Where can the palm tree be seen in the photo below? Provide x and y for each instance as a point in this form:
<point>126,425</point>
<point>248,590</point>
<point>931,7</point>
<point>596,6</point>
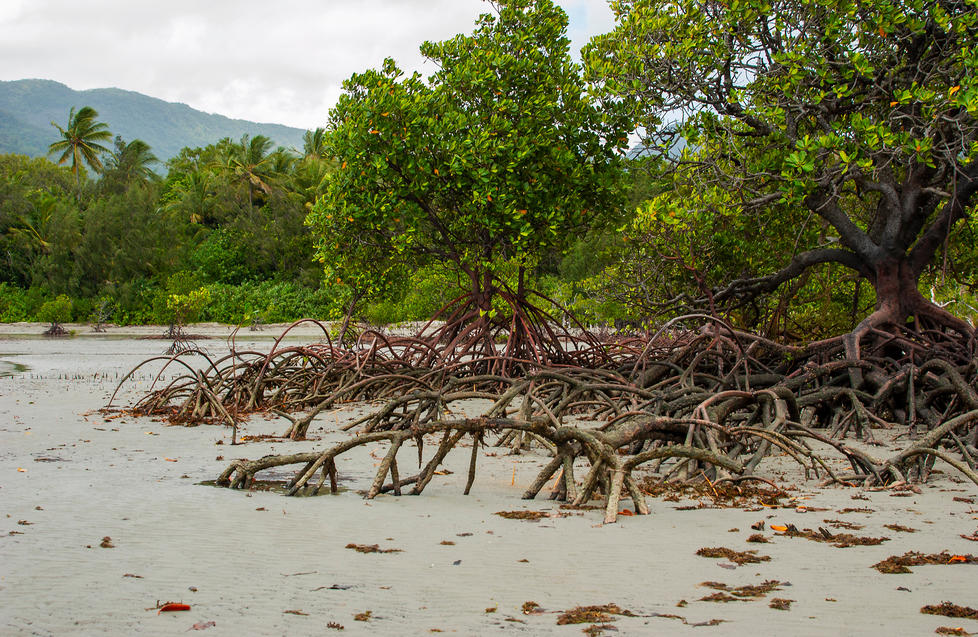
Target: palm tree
<point>132,161</point>
<point>80,140</point>
<point>314,143</point>
<point>252,164</point>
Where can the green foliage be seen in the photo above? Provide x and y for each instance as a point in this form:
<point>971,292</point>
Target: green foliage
<point>499,155</point>
<point>817,132</point>
<point>57,310</point>
<point>184,308</point>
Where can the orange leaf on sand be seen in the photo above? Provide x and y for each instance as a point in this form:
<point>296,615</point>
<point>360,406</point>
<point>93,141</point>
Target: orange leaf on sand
<point>170,459</point>
<point>166,608</point>
<point>778,527</point>
<point>22,469</point>
<point>957,558</point>
<point>626,512</point>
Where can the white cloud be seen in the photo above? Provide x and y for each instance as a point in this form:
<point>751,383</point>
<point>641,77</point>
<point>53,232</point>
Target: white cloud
<point>251,59</point>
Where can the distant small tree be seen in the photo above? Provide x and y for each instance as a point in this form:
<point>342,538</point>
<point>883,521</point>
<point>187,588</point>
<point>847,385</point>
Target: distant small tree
<point>56,311</point>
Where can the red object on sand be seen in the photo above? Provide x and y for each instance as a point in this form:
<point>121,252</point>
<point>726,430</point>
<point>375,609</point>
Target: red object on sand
<point>171,607</point>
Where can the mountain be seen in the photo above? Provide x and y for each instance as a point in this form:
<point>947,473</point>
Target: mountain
<point>27,108</point>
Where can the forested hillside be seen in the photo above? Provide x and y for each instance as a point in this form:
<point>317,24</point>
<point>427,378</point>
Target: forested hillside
<point>27,108</point>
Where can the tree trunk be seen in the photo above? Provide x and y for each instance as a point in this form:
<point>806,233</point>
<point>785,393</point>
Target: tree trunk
<point>898,299</point>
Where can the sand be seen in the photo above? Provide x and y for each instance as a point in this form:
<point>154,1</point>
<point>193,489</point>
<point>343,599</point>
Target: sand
<point>259,563</point>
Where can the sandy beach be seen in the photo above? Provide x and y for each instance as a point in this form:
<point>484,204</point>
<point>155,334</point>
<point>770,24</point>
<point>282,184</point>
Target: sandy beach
<point>259,563</point>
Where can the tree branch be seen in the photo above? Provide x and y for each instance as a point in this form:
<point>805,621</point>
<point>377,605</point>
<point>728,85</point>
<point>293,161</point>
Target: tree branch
<point>751,288</point>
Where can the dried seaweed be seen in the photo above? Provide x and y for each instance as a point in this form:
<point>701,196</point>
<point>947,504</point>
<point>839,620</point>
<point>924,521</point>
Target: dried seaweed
<point>370,548</point>
<point>842,524</point>
<point>737,557</point>
<point>900,528</point>
<point>523,515</point>
<point>900,563</point>
<point>740,593</point>
<point>947,609</point>
<point>592,614</point>
<point>838,540</point>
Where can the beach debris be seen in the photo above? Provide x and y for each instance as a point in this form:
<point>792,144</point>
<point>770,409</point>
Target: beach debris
<point>592,614</point>
<point>947,609</point>
<point>525,515</point>
<point>532,608</point>
<point>294,612</point>
<point>170,607</point>
<point>447,543</point>
<point>107,543</point>
<point>737,557</point>
<point>838,540</point>
<point>370,548</point>
<point>947,630</point>
<point>364,616</point>
<point>203,625</point>
<point>842,524</point>
<point>335,626</point>
<point>740,593</point>
<point>900,563</point>
<point>758,539</point>
<point>779,603</point>
<point>594,630</point>
<point>492,609</point>
<point>133,575</point>
<point>900,528</point>
<point>973,537</point>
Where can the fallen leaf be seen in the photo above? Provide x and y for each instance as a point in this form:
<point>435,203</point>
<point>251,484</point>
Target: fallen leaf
<point>779,527</point>
<point>171,606</point>
<point>203,625</point>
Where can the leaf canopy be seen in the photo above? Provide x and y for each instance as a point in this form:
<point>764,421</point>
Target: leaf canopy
<point>500,155</point>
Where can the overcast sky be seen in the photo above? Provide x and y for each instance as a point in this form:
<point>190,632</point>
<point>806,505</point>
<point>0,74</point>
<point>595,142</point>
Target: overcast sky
<point>280,62</point>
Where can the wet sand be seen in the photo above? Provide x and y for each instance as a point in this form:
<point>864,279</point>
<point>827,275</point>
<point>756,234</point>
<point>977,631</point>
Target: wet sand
<point>71,476</point>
